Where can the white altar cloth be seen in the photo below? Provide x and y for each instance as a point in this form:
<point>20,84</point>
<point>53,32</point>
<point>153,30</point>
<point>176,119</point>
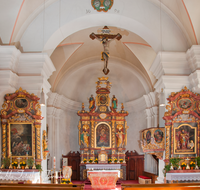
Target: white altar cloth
<point>104,171</point>
<point>103,166</point>
<point>20,175</point>
<point>183,176</point>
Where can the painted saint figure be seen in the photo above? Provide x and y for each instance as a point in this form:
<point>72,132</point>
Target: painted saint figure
<point>85,138</point>
<point>91,103</point>
<point>105,54</point>
<point>184,137</point>
<point>114,102</point>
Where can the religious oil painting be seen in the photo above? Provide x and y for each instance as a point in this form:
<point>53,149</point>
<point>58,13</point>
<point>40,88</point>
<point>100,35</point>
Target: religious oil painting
<point>21,139</point>
<point>158,136</point>
<point>185,139</point>
<point>103,136</point>
<point>148,137</point>
<point>185,103</point>
<point>21,103</point>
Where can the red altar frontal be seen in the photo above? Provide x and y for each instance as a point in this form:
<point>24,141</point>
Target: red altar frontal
<point>102,130</point>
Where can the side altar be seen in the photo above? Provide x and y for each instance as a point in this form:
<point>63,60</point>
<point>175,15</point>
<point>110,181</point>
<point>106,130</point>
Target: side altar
<point>102,131</point>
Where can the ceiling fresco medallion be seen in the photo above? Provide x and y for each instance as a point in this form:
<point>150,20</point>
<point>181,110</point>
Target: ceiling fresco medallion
<point>102,5</point>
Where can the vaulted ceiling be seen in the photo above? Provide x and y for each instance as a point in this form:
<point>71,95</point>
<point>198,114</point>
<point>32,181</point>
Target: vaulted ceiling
<point>61,28</point>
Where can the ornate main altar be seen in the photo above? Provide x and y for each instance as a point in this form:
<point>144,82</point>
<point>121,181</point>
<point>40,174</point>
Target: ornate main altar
<point>102,130</point>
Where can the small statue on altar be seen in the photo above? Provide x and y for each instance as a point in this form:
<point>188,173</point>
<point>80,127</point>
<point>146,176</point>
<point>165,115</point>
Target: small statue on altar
<point>120,137</point>
<point>85,138</point>
<point>91,103</point>
<point>114,102</point>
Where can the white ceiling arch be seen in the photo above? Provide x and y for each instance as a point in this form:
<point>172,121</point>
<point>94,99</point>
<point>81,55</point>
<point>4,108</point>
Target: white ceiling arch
<point>101,20</point>
<point>128,82</point>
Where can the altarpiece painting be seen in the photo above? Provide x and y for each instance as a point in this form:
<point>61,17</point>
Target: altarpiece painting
<point>185,139</point>
<point>21,139</point>
<point>103,136</point>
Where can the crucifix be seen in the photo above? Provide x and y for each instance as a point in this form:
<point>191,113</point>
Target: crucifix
<point>105,38</point>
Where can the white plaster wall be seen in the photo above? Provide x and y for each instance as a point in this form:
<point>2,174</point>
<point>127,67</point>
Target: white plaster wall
<point>136,122</point>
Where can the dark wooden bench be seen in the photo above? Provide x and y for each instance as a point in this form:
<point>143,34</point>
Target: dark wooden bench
<point>41,186</point>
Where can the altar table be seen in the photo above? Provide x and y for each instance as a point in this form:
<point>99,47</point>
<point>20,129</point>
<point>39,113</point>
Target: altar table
<point>121,167</point>
<point>195,176</point>
<point>104,179</point>
<point>11,175</point>
<point>104,172</point>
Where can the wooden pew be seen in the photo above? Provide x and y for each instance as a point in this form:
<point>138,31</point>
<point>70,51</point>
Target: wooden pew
<point>7,186</point>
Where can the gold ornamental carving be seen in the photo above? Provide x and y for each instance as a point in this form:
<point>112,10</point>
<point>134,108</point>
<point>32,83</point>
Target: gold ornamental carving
<point>4,139</point>
<point>44,145</point>
<point>113,133</point>
<point>167,151</point>
<point>119,122</point>
<point>38,143</point>
<point>92,134</point>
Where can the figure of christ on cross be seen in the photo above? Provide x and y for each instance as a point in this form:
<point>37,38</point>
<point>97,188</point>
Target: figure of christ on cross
<point>105,39</point>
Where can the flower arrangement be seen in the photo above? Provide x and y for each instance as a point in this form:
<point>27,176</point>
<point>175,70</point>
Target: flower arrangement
<point>6,162</point>
<point>96,160</point>
<point>66,181</point>
<point>121,160</point>
<point>175,162</point>
<point>14,164</point>
<point>90,160</point>
<point>22,164</point>
<point>84,160</point>
<point>109,160</point>
<point>166,169</point>
<point>183,164</point>
<point>30,162</point>
<point>192,164</point>
<point>115,160</point>
<point>198,161</point>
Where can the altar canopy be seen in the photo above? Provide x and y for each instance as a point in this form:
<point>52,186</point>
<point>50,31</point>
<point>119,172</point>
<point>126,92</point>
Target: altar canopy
<point>102,129</point>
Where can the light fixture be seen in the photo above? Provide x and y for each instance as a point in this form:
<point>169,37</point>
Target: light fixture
<point>42,98</point>
<point>162,98</point>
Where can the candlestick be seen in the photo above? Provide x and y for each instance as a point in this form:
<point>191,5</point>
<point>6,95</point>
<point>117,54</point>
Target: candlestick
<point>10,167</point>
<point>18,166</point>
<point>124,158</point>
<point>118,158</point>
<point>54,162</point>
<point>87,157</point>
<point>82,157</point>
<point>26,161</point>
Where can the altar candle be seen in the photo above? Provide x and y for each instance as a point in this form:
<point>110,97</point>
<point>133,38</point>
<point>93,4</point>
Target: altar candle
<point>54,162</point>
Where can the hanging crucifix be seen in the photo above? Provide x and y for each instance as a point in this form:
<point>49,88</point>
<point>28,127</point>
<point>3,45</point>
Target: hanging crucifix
<point>105,38</point>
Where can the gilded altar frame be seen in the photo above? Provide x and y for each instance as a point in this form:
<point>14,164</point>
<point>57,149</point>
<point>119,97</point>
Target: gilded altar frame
<point>32,139</point>
<point>22,108</point>
<point>182,110</point>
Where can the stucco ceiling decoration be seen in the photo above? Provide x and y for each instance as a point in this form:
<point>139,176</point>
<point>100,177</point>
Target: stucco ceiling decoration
<point>102,5</point>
